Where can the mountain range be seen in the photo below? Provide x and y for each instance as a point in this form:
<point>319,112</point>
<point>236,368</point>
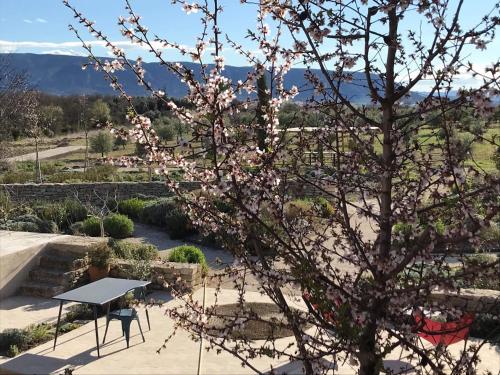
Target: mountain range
<point>63,75</point>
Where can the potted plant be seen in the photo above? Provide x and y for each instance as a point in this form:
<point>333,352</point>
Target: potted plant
<point>100,258</point>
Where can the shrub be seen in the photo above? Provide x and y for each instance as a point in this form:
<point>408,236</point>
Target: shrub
<point>178,224</point>
<point>132,207</point>
<point>297,208</point>
<point>440,227</point>
<point>31,223</point>
<point>118,226</point>
<point>167,212</point>
<point>188,254</point>
<point>14,336</point>
<point>66,327</point>
<point>63,214</point>
<point>40,333</point>
<point>100,255</point>
<point>105,172</point>
<point>74,211</point>
<point>223,206</point>
<point>133,251</point>
<point>402,228</point>
<point>48,226</point>
<point>20,226</point>
<point>13,177</point>
<point>154,212</point>
<point>51,211</point>
<point>92,226</point>
<point>486,327</point>
<point>79,312</point>
<point>77,228</point>
<point>491,234</point>
<point>13,351</point>
<point>326,209</point>
<point>29,218</point>
<point>141,270</point>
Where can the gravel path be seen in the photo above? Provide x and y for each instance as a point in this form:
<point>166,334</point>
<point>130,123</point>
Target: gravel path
<point>46,154</point>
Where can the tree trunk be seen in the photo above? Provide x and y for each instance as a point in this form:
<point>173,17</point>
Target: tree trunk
<point>86,162</point>
<point>368,360</point>
<point>38,169</point>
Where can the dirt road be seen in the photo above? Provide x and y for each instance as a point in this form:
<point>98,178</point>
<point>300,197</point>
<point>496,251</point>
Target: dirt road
<point>46,154</point>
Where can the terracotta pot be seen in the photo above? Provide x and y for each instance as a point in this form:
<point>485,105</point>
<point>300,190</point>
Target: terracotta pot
<point>96,273</point>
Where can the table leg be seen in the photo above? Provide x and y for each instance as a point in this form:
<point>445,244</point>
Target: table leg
<point>96,330</point>
<point>146,306</point>
<point>58,322</point>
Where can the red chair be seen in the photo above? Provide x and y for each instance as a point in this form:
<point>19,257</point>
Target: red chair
<point>443,333</point>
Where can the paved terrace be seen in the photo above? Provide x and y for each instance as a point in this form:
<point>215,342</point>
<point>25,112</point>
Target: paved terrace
<point>76,349</point>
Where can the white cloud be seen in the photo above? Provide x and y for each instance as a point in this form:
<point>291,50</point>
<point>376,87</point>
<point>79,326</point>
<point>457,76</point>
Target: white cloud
<point>70,52</point>
<point>6,45</point>
<point>39,20</point>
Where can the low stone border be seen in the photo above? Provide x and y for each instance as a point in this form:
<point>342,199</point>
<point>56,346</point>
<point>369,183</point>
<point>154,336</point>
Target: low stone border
<point>164,275</point>
<point>471,300</point>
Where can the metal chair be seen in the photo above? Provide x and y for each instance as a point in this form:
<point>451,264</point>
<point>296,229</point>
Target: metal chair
<point>126,316</point>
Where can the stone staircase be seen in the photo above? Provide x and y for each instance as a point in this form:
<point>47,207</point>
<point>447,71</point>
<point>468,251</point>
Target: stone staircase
<point>59,270</point>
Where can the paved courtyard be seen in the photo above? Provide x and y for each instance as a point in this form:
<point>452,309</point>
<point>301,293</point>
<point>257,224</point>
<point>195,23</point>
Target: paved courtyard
<point>22,311</point>
<point>76,350</point>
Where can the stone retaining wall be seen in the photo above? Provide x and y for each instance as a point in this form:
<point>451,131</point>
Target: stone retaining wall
<point>99,192</point>
<point>89,192</point>
<point>164,275</point>
<point>471,300</point>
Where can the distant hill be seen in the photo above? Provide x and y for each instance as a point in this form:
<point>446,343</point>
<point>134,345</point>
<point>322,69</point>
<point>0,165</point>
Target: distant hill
<point>63,75</point>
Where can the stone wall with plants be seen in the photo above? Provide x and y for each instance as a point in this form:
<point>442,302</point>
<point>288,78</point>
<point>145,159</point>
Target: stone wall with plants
<point>95,192</point>
<point>89,192</point>
<point>163,275</point>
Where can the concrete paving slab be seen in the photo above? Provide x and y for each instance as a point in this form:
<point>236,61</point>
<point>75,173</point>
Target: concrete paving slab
<point>76,349</point>
<point>22,311</point>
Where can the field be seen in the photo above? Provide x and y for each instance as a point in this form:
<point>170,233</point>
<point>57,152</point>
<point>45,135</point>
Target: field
<point>69,167</point>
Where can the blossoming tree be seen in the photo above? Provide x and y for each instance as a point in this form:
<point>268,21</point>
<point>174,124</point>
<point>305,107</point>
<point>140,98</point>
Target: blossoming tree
<point>404,199</point>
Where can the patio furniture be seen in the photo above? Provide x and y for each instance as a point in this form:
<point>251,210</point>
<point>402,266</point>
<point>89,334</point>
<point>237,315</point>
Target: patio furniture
<point>125,316</point>
<point>100,293</point>
<point>443,333</point>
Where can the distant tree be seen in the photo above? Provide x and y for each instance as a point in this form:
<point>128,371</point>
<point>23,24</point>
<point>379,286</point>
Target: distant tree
<point>14,98</point>
<point>100,113</point>
<point>102,143</point>
<point>33,127</point>
<point>165,128</point>
<point>51,116</point>
<point>120,141</point>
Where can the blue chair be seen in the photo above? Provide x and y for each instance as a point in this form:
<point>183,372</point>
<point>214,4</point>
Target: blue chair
<point>126,316</point>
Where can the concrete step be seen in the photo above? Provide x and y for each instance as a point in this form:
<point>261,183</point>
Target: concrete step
<point>58,249</point>
<point>68,279</point>
<point>60,262</point>
<point>37,289</point>
<point>75,246</point>
<point>48,275</point>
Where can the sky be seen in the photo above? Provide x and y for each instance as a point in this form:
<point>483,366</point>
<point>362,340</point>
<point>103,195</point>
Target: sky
<point>41,26</point>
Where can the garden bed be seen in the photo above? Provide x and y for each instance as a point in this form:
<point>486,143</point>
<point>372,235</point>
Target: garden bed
<point>269,321</point>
